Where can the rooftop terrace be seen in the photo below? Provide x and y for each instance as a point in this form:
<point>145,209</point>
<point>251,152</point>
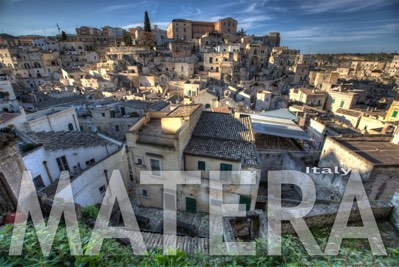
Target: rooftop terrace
<point>376,152</point>
<point>183,111</point>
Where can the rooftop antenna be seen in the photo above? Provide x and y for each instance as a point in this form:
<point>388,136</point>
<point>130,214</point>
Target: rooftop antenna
<point>59,29</point>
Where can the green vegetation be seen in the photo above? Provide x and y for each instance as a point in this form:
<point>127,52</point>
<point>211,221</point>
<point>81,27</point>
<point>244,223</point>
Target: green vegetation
<point>353,253</point>
<point>90,212</point>
<point>241,32</point>
<point>63,36</point>
<point>147,24</point>
<point>9,129</point>
<point>340,58</point>
<point>28,147</point>
<point>127,39</point>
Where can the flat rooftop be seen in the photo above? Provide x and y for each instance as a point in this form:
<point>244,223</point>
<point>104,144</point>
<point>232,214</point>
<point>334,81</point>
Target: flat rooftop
<point>154,126</point>
<point>4,117</point>
<point>151,134</point>
<point>53,141</point>
<point>275,143</point>
<point>43,113</point>
<point>183,111</point>
<point>376,152</point>
<point>277,127</point>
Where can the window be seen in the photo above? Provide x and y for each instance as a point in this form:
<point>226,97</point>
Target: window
<point>103,114</point>
<point>394,114</point>
<point>139,161</point>
<point>201,165</point>
<point>144,192</point>
<point>70,127</point>
<point>155,167</point>
<point>225,171</point>
<point>102,189</point>
<point>90,162</point>
<point>62,163</point>
<point>342,104</point>
<point>207,106</point>
<point>38,182</point>
<point>333,101</point>
<point>117,128</point>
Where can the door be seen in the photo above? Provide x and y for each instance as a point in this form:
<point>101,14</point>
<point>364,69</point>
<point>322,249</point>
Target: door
<point>191,204</point>
<point>245,200</point>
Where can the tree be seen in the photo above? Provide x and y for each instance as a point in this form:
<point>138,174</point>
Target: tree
<point>147,38</point>
<point>147,24</point>
<point>241,32</point>
<point>63,36</point>
<point>127,39</point>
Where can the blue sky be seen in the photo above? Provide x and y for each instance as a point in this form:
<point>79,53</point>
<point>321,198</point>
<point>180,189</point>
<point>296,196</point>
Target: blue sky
<point>319,26</point>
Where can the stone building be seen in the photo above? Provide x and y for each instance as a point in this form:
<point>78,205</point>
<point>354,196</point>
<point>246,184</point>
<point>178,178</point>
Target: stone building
<point>91,35</point>
<point>317,78</point>
<point>156,143</point>
<point>89,159</point>
<point>8,100</point>
<point>109,120</point>
<point>310,97</point>
<point>346,99</point>
<point>180,48</point>
<point>282,57</point>
<point>375,158</point>
<point>189,29</point>
<point>221,142</point>
<point>393,67</point>
<point>393,111</point>
<point>57,119</point>
<point>188,139</point>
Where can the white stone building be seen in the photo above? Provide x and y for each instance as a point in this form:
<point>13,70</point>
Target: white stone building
<point>89,158</point>
<point>55,119</point>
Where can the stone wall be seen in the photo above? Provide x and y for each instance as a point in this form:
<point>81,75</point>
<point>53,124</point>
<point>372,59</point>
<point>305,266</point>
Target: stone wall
<point>11,166</point>
<point>323,215</point>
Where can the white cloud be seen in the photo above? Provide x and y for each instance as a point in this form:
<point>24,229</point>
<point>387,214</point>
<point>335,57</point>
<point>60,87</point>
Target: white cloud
<point>252,21</point>
<point>190,11</point>
<point>321,6</point>
<point>319,34</point>
<point>161,24</point>
<point>131,5</point>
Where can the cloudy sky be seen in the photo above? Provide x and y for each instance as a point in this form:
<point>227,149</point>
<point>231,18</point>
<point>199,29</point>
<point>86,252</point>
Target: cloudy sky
<point>317,26</point>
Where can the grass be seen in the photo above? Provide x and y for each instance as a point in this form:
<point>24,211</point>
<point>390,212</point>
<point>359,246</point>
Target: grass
<point>352,253</point>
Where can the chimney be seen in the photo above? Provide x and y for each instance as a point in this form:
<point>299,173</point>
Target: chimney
<point>237,115</point>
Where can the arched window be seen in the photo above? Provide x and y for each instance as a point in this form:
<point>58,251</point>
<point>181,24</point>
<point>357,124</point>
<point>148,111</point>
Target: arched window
<point>70,127</point>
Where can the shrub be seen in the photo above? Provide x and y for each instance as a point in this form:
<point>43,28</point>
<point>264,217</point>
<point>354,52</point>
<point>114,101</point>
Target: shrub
<point>90,212</point>
<point>28,147</point>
